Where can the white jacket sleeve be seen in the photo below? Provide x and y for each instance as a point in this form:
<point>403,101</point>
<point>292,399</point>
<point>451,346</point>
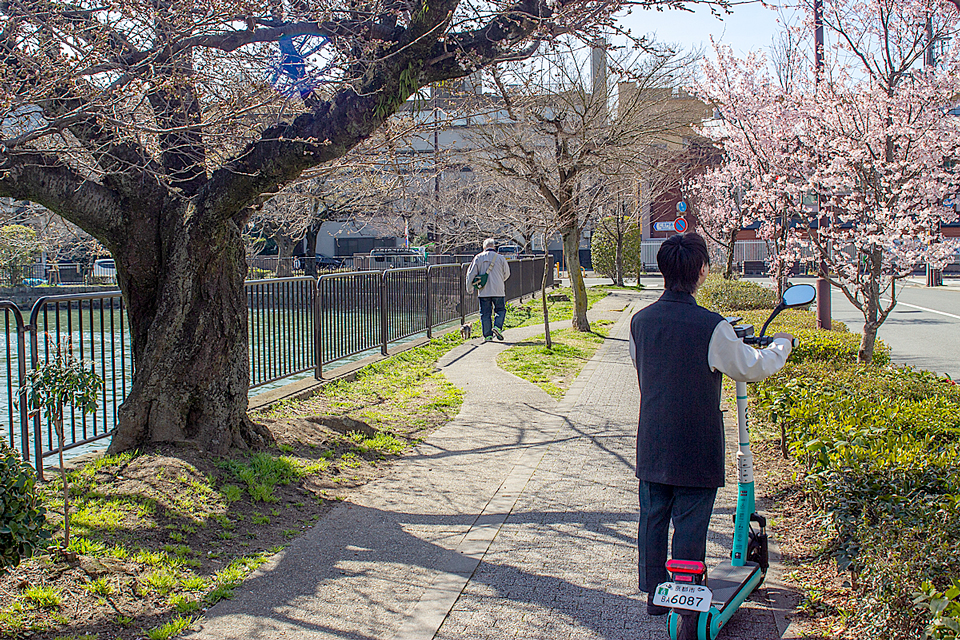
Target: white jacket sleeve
<point>729,355</point>
<point>472,271</point>
<point>505,268</point>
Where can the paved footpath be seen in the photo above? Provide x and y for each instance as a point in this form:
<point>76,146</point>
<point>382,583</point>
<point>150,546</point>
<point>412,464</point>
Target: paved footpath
<point>515,520</point>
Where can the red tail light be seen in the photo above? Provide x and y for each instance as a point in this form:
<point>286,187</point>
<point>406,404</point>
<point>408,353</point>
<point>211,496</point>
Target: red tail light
<point>691,567</point>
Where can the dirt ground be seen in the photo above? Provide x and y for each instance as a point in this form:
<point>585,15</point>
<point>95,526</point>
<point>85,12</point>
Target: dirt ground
<point>161,536</point>
<point>797,527</point>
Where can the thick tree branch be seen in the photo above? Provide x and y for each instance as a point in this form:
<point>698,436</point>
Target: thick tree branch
<point>46,181</point>
<point>351,116</point>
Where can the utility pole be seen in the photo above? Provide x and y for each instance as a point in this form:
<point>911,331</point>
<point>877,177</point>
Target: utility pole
<point>823,283</point>
<point>934,276</point>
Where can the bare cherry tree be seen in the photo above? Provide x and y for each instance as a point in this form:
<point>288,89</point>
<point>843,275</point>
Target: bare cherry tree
<point>554,127</point>
<point>157,126</point>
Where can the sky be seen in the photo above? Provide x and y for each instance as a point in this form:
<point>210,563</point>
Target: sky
<point>749,27</point>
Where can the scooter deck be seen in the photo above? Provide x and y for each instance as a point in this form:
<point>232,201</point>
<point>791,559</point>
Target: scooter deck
<point>725,581</point>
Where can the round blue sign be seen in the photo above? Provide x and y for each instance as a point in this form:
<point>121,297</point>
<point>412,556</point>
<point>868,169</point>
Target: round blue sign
<point>680,224</point>
<point>681,206</point>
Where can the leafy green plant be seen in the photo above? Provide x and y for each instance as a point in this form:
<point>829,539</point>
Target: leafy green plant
<point>878,449</point>
<point>18,246</point>
<point>603,246</point>
<point>99,587</point>
<point>170,629</point>
<point>42,597</point>
<point>184,604</point>
<point>162,581</point>
<point>61,382</point>
<point>22,516</point>
<point>943,607</point>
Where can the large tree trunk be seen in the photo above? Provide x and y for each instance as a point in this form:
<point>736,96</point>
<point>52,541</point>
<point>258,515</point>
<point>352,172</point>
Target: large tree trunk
<point>571,255</point>
<point>189,332</point>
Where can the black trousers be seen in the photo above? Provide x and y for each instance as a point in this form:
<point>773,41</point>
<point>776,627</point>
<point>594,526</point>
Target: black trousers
<point>689,508</point>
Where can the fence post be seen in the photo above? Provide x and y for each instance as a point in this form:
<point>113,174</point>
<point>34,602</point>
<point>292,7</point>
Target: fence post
<point>429,305</point>
<point>463,297</point>
<point>383,313</point>
<point>22,369</point>
<point>34,361</point>
<point>318,329</point>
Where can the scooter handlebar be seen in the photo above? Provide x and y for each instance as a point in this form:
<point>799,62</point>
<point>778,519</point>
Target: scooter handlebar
<point>764,341</point>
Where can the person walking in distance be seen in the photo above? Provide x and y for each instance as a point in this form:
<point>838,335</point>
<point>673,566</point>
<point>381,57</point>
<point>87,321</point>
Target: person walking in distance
<point>487,275</point>
<point>680,350</point>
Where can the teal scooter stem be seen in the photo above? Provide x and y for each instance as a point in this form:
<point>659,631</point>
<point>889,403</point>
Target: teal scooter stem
<point>733,580</point>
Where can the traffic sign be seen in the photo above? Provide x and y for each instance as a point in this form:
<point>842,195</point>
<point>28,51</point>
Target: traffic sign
<point>682,206</point>
<point>680,224</point>
<point>664,226</point>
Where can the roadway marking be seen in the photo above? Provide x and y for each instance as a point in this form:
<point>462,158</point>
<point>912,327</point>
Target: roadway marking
<point>942,313</point>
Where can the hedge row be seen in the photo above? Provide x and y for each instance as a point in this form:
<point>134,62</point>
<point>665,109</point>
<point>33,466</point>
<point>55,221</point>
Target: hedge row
<point>879,450</point>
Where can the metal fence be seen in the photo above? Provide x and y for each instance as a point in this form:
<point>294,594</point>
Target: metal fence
<point>753,252</point>
<point>55,273</point>
<point>367,310</point>
<point>295,325</point>
<point>93,328</point>
<point>280,328</point>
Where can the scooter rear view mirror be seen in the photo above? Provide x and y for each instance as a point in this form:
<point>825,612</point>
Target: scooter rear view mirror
<point>795,296</point>
<point>799,295</point>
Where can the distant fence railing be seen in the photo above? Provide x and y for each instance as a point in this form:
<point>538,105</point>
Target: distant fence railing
<point>753,253</point>
<point>52,273</point>
<point>295,325</point>
<point>365,310</point>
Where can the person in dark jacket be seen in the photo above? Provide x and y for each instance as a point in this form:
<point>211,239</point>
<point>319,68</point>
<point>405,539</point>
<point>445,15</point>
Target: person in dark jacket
<point>680,350</point>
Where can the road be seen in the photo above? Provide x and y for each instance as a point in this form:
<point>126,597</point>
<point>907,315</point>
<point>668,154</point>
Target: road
<point>923,330</point>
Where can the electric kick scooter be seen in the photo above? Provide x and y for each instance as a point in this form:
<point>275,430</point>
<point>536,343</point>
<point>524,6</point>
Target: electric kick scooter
<point>702,605</point>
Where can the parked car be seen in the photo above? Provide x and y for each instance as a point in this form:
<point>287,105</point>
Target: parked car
<point>510,250</point>
<point>326,263</point>
<point>388,258</point>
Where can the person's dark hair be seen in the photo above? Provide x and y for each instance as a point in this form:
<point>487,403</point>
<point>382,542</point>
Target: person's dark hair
<point>680,259</point>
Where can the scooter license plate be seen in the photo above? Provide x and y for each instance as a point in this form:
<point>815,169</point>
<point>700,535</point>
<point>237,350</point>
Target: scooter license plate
<point>683,596</point>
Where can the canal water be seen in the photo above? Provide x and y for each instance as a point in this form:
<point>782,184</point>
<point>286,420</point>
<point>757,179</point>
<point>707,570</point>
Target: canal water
<point>102,338</point>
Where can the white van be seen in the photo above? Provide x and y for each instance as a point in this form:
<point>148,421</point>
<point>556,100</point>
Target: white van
<point>106,269</point>
<point>381,259</point>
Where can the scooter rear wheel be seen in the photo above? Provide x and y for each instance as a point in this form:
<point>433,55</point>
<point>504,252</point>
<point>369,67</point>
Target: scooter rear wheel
<point>687,627</point>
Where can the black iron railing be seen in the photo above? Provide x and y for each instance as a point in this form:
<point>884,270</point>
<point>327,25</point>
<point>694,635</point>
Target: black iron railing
<point>295,325</point>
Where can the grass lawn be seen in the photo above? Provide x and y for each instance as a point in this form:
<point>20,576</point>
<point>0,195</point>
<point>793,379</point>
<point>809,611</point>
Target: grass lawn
<point>554,370</point>
<point>531,311</point>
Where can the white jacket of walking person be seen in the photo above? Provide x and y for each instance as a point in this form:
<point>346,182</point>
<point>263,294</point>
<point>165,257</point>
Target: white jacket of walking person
<point>495,266</point>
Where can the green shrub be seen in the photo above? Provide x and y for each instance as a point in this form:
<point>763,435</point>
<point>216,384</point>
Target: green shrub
<point>791,320</point>
<point>603,248</point>
<point>22,517</point>
<point>833,346</point>
<point>725,296</point>
<point>880,449</point>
